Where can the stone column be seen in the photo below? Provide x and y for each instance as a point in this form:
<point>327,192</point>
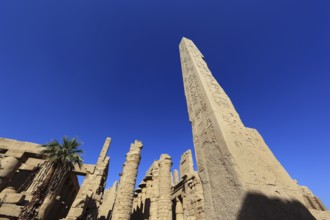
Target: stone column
<point>176,177</point>
<point>178,210</point>
<point>109,197</point>
<point>139,199</point>
<point>155,191</point>
<point>124,201</point>
<point>148,203</point>
<point>164,210</point>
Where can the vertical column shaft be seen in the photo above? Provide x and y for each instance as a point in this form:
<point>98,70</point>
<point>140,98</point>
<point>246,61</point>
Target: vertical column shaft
<point>164,210</point>
<point>124,201</point>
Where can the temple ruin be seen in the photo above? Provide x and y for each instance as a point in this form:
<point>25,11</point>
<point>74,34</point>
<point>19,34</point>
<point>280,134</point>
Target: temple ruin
<point>237,177</point>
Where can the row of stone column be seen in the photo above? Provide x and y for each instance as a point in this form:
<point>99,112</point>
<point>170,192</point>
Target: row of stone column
<point>153,197</point>
<point>160,197</point>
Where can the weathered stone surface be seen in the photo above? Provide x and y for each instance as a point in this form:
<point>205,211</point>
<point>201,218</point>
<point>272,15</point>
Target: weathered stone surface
<point>31,163</point>
<point>84,169</point>
<point>19,147</point>
<point>151,200</point>
<point>311,201</point>
<point>7,218</point>
<point>176,177</point>
<point>108,201</point>
<point>124,200</point>
<point>92,188</point>
<point>11,198</point>
<point>154,192</point>
<point>320,215</point>
<point>10,210</point>
<point>164,207</point>
<point>179,215</point>
<point>75,213</point>
<point>232,160</point>
<point>188,193</point>
<point>186,164</point>
<point>23,167</point>
<point>8,166</point>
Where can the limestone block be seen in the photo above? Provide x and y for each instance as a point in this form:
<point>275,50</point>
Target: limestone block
<point>19,146</point>
<point>76,212</point>
<point>84,169</point>
<point>31,163</point>
<point>12,198</point>
<point>320,215</point>
<point>8,190</point>
<point>11,210</point>
<point>14,153</point>
<point>34,161</point>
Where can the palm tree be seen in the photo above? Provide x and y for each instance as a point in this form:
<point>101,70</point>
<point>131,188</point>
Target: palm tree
<point>60,160</point>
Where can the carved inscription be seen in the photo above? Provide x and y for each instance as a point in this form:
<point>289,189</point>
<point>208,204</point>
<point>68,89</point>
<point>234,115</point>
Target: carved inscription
<point>197,107</point>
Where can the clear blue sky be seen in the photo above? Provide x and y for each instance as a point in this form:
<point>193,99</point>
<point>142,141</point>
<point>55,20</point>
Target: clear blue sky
<point>92,69</point>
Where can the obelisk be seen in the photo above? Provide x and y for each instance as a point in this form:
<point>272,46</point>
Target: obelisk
<point>234,163</point>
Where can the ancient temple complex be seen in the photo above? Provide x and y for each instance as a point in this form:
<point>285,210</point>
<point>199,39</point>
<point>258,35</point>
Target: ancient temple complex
<point>238,177</point>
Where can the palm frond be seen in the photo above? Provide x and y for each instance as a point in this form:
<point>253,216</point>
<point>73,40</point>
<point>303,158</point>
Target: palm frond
<point>65,153</point>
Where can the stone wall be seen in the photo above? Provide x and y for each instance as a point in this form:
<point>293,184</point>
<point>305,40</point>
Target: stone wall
<point>21,165</point>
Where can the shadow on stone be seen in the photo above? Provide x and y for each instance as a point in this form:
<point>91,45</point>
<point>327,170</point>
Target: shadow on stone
<point>257,206</point>
<point>142,212</point>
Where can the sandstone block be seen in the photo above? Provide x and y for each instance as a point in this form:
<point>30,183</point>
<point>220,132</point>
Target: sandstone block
<point>11,210</point>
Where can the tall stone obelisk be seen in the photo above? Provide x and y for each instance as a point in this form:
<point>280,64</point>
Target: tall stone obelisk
<point>238,171</point>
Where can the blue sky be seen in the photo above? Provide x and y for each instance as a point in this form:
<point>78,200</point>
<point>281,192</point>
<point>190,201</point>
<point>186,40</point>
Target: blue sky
<point>92,69</point>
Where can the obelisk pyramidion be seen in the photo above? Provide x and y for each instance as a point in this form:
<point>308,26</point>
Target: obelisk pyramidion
<point>238,171</point>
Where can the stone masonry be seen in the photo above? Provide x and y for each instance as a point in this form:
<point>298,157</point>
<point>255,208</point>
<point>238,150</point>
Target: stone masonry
<point>157,199</point>
<point>124,200</point>
<point>191,198</point>
<point>22,164</point>
<point>89,197</point>
<point>108,202</point>
<point>164,208</point>
<point>241,178</point>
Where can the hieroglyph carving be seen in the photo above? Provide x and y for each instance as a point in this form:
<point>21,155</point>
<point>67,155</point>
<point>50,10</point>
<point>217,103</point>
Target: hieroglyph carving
<point>231,158</point>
